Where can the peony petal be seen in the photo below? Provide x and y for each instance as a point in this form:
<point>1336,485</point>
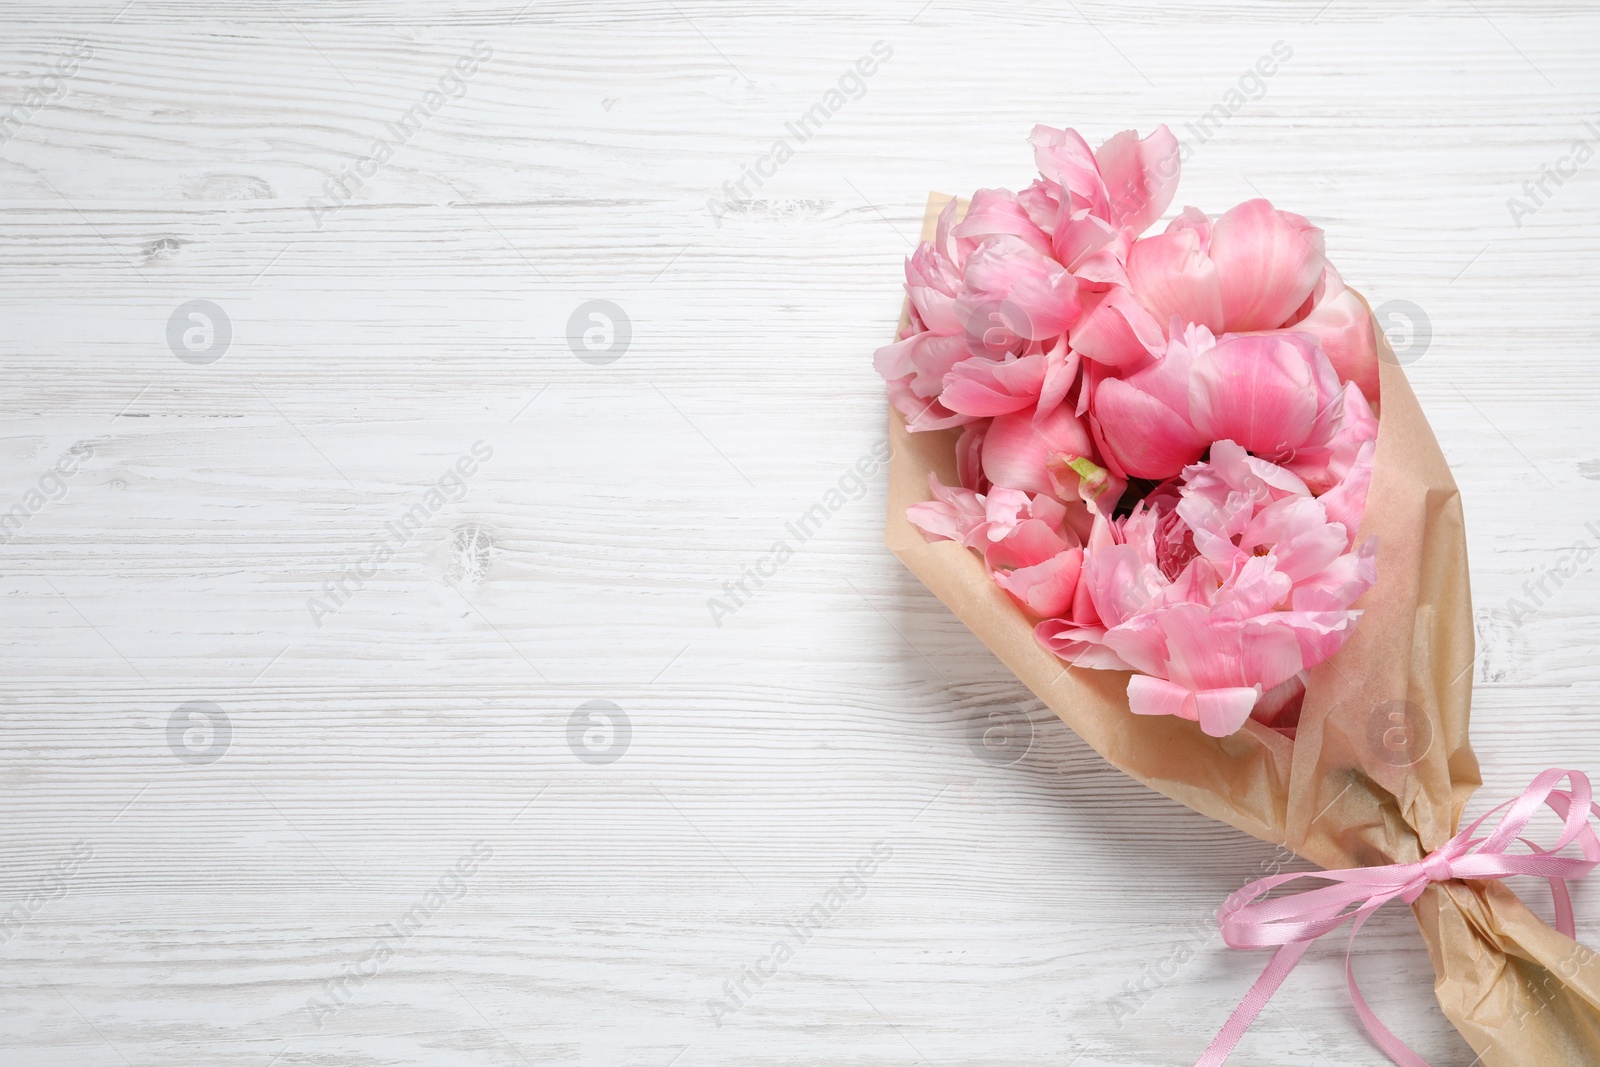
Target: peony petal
<point>1319,634</point>
<point>1083,609</point>
<point>1258,391</point>
<point>1207,653</point>
<point>1081,646</point>
<point>1041,202</point>
<point>1049,303</point>
<point>1116,331</point>
<point>1140,643</point>
<point>1140,176</point>
<point>1061,371</point>
<point>1005,508</point>
<point>1064,157</point>
<point>955,514</point>
<point>982,386</point>
<point>926,356</point>
<point>1028,544</point>
<point>1300,540</point>
<point>1167,378</point>
<point>936,311</point>
<point>1343,326</point>
<point>969,456</point>
<point>1080,238</point>
<point>1046,589</point>
<point>1082,478</point>
<point>1192,218</point>
<point>1223,711</point>
<point>996,211</point>
<point>1257,588</point>
<point>1230,468</point>
<point>922,414</point>
<point>1346,502</point>
<point>1266,265</point>
<point>895,360</point>
<point>1016,451</point>
<point>1336,439</point>
<point>1341,584</point>
<point>944,240</point>
<point>1147,438</point>
<point>1033,295</point>
<point>1105,269</point>
<point>1271,652</point>
<point>1172,277</point>
<point>1123,582</point>
<point>1157,696</point>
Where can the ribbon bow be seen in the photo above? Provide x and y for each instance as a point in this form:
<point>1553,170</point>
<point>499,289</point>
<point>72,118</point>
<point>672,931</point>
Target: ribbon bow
<point>1293,922</point>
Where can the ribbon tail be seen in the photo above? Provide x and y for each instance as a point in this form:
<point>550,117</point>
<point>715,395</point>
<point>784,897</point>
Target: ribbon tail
<point>1222,1045</point>
<point>1392,1046</point>
<point>1563,902</point>
<point>1558,892</point>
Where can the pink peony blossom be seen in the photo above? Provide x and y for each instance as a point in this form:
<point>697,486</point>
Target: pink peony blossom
<point>1275,393</point>
<point>1241,587</point>
<point>1118,190</point>
<point>1250,269</point>
<point>1028,543</point>
<point>1255,269</point>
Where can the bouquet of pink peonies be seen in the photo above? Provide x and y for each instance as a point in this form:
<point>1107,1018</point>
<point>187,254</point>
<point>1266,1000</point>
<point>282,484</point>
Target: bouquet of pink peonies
<point>1179,486</point>
<point>1166,442</point>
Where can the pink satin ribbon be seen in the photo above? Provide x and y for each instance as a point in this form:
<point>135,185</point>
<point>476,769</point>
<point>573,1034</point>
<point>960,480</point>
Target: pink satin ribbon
<point>1293,922</point>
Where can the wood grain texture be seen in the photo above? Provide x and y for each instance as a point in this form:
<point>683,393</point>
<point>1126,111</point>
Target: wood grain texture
<point>197,909</point>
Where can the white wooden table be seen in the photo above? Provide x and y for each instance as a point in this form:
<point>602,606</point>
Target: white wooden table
<point>251,819</point>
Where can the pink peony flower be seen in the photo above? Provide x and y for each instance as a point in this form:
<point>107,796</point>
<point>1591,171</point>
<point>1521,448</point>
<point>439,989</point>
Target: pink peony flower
<point>1039,294</point>
<point>1275,393</point>
<point>988,320</point>
<point>1121,189</point>
<point>1255,269</point>
<point>1251,269</point>
<point>1236,591</point>
<point>1021,275</point>
<point>934,340</point>
<point>1028,543</point>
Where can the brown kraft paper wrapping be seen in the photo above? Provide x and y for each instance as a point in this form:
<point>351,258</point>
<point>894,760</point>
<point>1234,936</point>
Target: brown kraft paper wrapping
<point>1380,767</point>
